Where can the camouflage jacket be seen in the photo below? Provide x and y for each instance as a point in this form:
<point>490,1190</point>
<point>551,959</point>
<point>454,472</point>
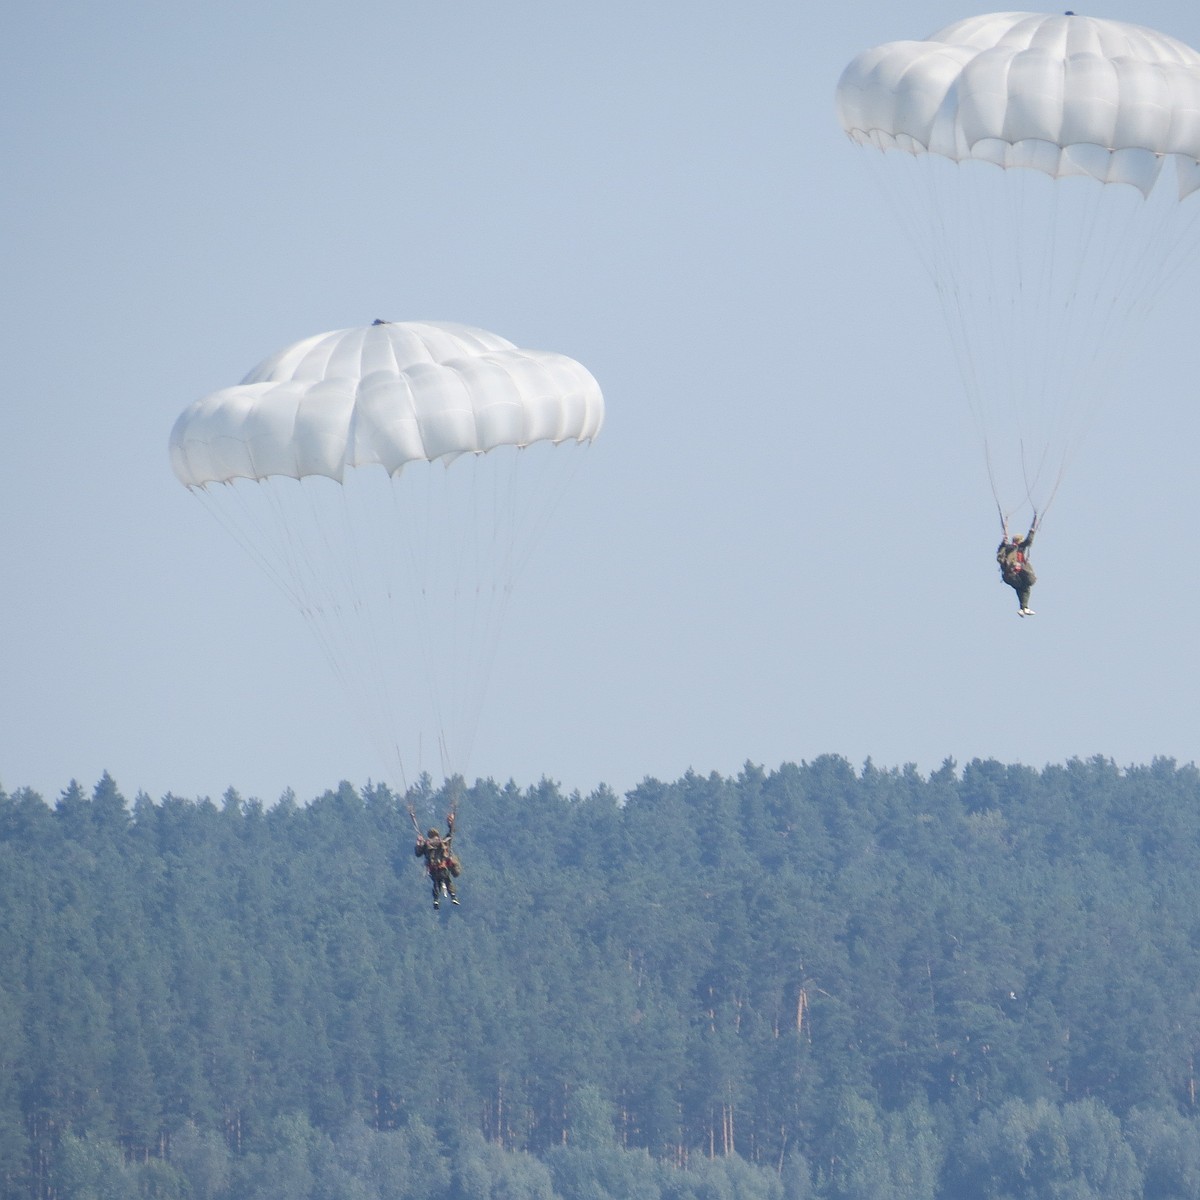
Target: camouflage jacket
<point>1013,558</point>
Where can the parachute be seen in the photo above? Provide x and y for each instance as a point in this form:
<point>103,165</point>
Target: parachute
<point>1044,167</point>
<point>392,480</point>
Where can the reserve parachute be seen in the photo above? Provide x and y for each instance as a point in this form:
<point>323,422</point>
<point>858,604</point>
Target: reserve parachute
<point>1045,168</point>
<point>392,481</point>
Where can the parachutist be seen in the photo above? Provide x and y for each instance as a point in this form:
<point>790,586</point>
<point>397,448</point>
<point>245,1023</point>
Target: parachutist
<point>1015,568</point>
<point>440,864</point>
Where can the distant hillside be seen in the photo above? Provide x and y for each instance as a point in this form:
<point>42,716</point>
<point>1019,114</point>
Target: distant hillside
<point>812,982</point>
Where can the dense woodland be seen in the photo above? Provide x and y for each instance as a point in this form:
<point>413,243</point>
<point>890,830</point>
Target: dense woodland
<point>817,982</point>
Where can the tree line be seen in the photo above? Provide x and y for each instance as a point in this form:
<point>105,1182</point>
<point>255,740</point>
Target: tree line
<point>815,982</point>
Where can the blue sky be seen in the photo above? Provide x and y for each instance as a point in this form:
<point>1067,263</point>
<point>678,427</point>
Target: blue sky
<point>780,546</point>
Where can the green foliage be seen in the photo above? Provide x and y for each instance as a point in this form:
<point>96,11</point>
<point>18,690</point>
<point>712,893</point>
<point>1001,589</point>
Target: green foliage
<point>1167,1145</point>
<point>808,984</point>
<point>1038,1150</point>
<point>87,1169</point>
<point>603,1173</point>
<point>203,1159</point>
<point>589,1118</point>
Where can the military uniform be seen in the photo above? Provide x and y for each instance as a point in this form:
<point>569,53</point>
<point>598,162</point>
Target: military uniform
<point>440,864</point>
<point>1015,568</point>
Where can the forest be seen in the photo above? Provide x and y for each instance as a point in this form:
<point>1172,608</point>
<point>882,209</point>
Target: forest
<point>819,982</point>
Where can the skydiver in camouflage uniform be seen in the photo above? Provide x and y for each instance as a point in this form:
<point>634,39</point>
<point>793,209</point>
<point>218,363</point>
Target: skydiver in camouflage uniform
<point>440,864</point>
<point>1015,568</point>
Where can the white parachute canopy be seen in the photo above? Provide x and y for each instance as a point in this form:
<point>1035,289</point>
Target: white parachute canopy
<point>1031,175</point>
<point>391,479</point>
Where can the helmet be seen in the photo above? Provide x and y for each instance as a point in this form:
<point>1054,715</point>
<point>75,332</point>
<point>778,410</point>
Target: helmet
<point>1018,539</point>
<point>433,833</point>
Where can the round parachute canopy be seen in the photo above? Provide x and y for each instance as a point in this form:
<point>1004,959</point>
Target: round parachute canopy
<point>386,395</point>
<point>392,481</point>
<point>1008,140</point>
<point>1067,95</point>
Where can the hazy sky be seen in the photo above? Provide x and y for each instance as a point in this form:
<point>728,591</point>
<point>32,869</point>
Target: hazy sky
<point>782,544</point>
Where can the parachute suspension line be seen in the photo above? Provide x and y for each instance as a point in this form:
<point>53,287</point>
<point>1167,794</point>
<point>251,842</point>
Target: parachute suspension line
<point>234,510</point>
<point>1041,506</point>
<point>941,264</point>
<point>485,594</point>
<point>350,627</point>
<point>987,454</point>
<point>1050,316</point>
<point>985,376</point>
<point>1096,333</point>
<point>1120,253</point>
<point>1027,263</point>
<point>1155,260</point>
<point>369,611</point>
<point>1061,335</point>
<point>1045,507</point>
<point>556,475</point>
<point>494,526</point>
<point>256,520</point>
<point>420,553</point>
<point>926,215</point>
<point>455,786</point>
<point>934,204</point>
<point>286,530</point>
<point>985,285</point>
<point>482,591</point>
<point>973,263</point>
<point>1005,514</point>
<point>455,527</point>
<point>1098,330</point>
<point>320,606</point>
<point>515,494</point>
<point>458,573</point>
<point>1039,511</point>
<point>1184,240</point>
<point>1049,392</point>
<point>473,590</point>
